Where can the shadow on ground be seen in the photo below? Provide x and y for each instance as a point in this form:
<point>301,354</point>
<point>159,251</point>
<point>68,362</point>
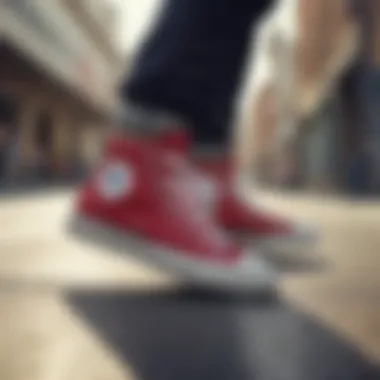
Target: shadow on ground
<point>190,335</point>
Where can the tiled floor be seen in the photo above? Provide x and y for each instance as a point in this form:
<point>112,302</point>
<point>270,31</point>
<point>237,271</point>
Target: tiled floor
<point>43,337</point>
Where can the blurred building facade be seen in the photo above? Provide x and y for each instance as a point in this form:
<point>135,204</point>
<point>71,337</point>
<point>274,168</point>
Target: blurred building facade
<point>346,123</point>
<point>337,71</point>
<point>60,63</point>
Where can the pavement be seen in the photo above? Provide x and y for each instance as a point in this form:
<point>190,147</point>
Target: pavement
<point>69,310</point>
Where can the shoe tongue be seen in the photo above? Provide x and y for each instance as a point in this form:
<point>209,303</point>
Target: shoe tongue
<point>216,163</point>
<point>175,141</point>
<point>221,166</point>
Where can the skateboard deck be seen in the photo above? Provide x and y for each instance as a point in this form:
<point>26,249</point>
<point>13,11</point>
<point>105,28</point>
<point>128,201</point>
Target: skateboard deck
<point>185,334</point>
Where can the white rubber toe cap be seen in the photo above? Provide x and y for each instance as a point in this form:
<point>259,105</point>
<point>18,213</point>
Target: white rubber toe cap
<point>252,270</point>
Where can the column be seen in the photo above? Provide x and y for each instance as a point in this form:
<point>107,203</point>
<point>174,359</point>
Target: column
<point>92,142</point>
<point>62,141</point>
<point>30,108</point>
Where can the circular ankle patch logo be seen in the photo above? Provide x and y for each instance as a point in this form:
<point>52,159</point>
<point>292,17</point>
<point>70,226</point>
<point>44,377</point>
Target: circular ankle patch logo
<point>116,180</point>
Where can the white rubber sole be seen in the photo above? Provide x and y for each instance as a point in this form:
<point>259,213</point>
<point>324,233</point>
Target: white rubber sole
<point>292,242</point>
<point>292,253</point>
<point>252,274</point>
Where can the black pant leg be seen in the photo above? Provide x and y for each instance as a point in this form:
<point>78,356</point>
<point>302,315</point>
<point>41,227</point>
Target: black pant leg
<point>191,62</point>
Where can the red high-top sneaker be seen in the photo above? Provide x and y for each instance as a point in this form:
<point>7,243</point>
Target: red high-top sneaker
<point>144,197</point>
<point>272,233</point>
